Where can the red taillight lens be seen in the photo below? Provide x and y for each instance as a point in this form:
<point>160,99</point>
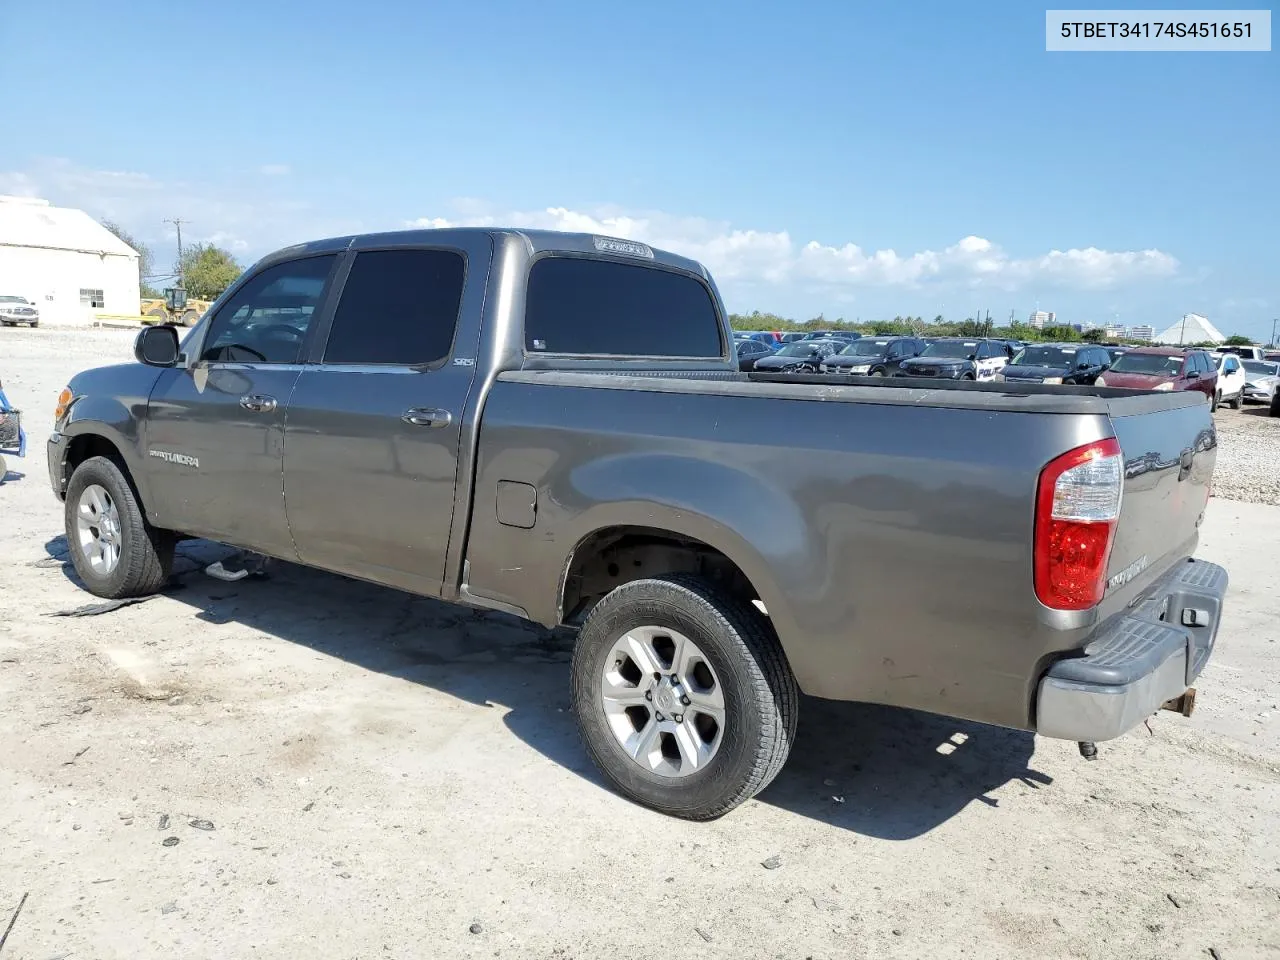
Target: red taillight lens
<point>1077,507</point>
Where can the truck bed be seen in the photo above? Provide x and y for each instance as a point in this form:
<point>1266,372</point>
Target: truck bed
<point>887,524</point>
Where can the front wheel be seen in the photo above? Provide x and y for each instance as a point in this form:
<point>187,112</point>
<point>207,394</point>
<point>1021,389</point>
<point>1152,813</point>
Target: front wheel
<point>683,696</point>
<point>1234,402</point>
<point>1213,404</point>
<point>877,373</point>
<point>114,550</point>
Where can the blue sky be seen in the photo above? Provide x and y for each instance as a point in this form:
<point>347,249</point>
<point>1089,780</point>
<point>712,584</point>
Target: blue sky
<point>861,160</point>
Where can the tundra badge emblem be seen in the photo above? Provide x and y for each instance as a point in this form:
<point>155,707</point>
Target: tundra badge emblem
<point>182,458</point>
<point>1128,573</point>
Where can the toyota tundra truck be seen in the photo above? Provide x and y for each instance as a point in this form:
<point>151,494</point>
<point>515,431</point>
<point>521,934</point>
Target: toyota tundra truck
<point>552,425</point>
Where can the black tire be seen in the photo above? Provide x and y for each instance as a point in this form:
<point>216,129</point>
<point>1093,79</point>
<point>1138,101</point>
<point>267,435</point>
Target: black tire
<point>969,376</point>
<point>760,693</point>
<point>34,324</point>
<point>877,373</point>
<point>1234,402</point>
<point>1213,406</point>
<point>1275,409</point>
<point>146,553</point>
<point>4,470</point>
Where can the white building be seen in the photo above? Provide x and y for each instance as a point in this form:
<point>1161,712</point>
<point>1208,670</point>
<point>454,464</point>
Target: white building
<point>65,262</point>
<point>1192,328</point>
<point>1141,332</point>
<point>1039,320</point>
<point>1114,331</point>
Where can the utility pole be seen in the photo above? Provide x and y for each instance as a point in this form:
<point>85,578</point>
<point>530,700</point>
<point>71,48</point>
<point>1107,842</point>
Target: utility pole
<point>177,223</point>
<point>1273,332</point>
<point>1182,331</point>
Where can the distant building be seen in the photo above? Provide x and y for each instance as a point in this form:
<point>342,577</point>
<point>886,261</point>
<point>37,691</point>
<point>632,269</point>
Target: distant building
<point>1114,331</point>
<point>1142,332</point>
<point>1192,328</point>
<point>65,262</point>
<point>1039,320</point>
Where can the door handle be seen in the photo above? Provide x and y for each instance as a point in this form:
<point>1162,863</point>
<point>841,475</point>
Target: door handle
<point>427,417</point>
<point>258,403</point>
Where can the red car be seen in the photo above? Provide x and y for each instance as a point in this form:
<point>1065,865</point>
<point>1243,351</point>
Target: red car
<point>1164,368</point>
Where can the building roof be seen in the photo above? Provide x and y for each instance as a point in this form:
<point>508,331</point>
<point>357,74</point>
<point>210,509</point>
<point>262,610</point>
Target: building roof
<point>28,222</point>
<point>1192,328</point>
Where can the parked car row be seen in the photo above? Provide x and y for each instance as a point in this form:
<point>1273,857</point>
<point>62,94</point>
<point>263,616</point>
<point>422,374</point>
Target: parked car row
<point>1224,377</point>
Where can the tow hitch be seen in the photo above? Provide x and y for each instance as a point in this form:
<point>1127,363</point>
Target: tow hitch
<point>1183,704</point>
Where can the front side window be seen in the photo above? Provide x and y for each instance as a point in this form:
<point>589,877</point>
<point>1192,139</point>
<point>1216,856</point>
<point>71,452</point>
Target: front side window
<point>588,307</point>
<point>397,307</point>
<point>267,319</point>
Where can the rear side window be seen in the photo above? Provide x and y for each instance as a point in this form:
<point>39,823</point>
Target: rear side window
<point>397,307</point>
<point>590,307</point>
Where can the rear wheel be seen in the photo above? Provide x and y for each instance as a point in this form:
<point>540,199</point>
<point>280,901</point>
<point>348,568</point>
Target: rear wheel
<point>115,551</point>
<point>877,373</point>
<point>968,376</point>
<point>1234,402</point>
<point>1217,399</point>
<point>683,696</point>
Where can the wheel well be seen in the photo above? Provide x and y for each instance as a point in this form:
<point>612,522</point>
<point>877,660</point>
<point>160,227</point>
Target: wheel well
<point>616,555</point>
<point>91,445</point>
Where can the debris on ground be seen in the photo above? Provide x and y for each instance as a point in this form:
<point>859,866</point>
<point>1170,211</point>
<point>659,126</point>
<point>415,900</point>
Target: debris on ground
<point>170,841</point>
<point>773,863</point>
<point>169,907</point>
<point>164,822</point>
<point>200,824</point>
<point>79,753</point>
<point>1174,900</point>
<point>95,609</point>
<point>702,933</point>
<point>13,920</point>
<point>476,928</point>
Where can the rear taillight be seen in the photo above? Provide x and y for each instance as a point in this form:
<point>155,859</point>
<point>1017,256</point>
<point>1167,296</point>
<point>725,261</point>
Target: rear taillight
<point>1077,508</point>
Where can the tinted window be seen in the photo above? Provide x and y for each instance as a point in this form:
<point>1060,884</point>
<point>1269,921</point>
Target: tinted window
<point>267,319</point>
<point>1152,364</point>
<point>397,306</point>
<point>598,307</point>
<point>1231,365</point>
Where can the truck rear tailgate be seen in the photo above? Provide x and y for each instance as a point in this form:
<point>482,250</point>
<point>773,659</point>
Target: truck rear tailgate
<point>1169,457</point>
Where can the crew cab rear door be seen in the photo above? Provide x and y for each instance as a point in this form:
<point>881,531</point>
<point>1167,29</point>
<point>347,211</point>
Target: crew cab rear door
<point>374,423</point>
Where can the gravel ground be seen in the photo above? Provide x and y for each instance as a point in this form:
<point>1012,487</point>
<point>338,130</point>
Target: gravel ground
<point>310,765</point>
<point>1248,466</point>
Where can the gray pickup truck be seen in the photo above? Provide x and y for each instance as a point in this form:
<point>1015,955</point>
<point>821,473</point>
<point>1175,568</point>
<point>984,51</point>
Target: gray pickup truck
<point>552,425</point>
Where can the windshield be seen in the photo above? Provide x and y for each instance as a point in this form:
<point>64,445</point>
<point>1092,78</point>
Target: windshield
<point>1151,364</point>
<point>13,299</point>
<point>803,349</point>
<point>961,349</point>
<point>1261,369</point>
<point>1045,357</point>
<point>865,348</point>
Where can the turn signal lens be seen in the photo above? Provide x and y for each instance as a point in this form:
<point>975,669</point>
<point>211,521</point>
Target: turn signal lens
<point>64,401</point>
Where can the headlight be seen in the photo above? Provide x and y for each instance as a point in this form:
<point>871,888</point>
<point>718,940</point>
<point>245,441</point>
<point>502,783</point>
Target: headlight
<point>64,401</point>
<point>1051,380</point>
<point>1163,387</point>
<point>1100,382</point>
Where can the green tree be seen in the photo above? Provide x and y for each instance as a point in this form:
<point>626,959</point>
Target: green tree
<point>1062,333</point>
<point>207,270</point>
<point>1092,336</point>
<point>146,259</point>
<point>1237,340</point>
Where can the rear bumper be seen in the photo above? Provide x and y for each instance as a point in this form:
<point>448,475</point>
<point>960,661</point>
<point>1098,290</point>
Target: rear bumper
<point>1139,659</point>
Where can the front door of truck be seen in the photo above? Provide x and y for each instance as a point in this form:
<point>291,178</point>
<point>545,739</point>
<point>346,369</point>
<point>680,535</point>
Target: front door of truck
<point>215,428</point>
<point>374,423</point>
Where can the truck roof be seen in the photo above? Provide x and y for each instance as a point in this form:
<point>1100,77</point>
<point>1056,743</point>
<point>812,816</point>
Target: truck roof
<point>539,241</point>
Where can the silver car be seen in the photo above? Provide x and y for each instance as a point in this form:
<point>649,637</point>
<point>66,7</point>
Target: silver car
<point>1263,380</point>
<point>15,310</point>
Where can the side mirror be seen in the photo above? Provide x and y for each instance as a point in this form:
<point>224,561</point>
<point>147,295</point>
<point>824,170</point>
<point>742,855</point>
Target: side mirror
<point>1082,365</point>
<point>157,346</point>
<point>1193,375</point>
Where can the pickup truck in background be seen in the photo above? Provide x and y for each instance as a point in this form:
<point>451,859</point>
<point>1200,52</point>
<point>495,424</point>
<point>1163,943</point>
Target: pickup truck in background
<point>553,425</point>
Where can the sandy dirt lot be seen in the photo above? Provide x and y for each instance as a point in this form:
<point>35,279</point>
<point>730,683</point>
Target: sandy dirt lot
<point>308,766</point>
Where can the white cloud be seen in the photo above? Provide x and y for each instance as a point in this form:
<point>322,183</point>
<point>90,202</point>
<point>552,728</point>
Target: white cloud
<point>251,215</point>
<point>754,256</point>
